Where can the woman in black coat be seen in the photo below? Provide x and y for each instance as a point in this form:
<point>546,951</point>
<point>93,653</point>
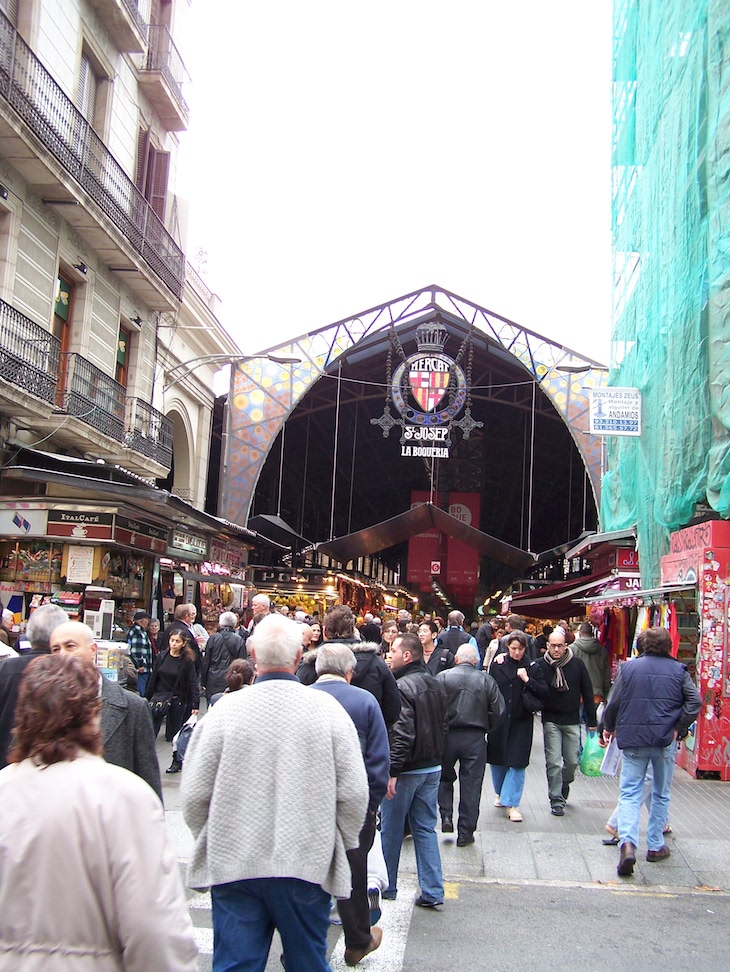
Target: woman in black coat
<point>173,690</point>
<point>509,745</point>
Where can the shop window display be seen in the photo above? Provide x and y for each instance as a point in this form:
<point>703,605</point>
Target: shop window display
<point>126,575</point>
<point>35,564</point>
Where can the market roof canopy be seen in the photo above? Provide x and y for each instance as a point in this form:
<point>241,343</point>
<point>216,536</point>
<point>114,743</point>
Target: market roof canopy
<point>418,520</point>
<point>274,528</point>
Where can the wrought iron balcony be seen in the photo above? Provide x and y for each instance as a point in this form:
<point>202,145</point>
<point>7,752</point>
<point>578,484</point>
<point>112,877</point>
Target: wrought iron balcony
<point>83,390</point>
<point>163,76</point>
<point>32,93</point>
<point>125,23</point>
<point>28,354</point>
<point>148,431</point>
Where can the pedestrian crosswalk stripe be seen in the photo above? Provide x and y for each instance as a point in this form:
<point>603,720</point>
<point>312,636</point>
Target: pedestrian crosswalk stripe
<point>395,923</point>
<point>204,940</point>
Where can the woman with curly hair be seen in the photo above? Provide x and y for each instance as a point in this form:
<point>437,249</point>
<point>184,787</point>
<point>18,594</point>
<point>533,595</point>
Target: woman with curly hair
<point>76,893</point>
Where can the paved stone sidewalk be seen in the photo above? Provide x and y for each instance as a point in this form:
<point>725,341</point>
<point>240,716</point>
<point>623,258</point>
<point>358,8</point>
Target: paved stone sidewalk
<point>569,848</point>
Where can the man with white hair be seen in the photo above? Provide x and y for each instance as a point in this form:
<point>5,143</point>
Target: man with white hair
<point>261,606</point>
<point>7,620</point>
<point>6,627</point>
<point>126,722</point>
<point>249,785</point>
<point>40,625</point>
<point>335,667</point>
<point>476,706</point>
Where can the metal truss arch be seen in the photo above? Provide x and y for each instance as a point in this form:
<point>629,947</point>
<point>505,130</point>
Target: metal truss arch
<point>264,393</point>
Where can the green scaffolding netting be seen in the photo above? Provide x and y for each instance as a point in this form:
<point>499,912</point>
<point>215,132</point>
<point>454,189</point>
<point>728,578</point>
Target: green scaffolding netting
<point>671,244</point>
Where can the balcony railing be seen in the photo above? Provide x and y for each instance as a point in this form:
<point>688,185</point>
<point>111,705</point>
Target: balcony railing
<point>148,431</point>
<point>31,91</point>
<point>134,12</point>
<point>84,391</point>
<point>163,56</point>
<point>28,354</point>
<point>197,283</point>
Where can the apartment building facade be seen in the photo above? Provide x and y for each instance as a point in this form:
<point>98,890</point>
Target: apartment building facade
<point>98,304</point>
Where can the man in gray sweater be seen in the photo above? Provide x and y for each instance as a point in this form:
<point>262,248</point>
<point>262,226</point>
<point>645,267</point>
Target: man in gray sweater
<point>275,793</point>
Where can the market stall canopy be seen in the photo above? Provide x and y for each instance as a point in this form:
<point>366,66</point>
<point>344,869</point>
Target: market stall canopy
<point>277,530</point>
<point>418,520</point>
<point>563,599</point>
<point>617,538</point>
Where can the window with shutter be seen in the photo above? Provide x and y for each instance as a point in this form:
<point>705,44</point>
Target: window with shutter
<point>124,348</point>
<point>88,84</point>
<point>143,153</point>
<point>153,170</point>
<point>159,168</point>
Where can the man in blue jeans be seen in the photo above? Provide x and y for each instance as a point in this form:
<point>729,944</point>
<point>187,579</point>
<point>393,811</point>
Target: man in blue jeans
<point>275,792</point>
<point>653,703</point>
<point>140,649</point>
<point>568,684</point>
<point>417,740</point>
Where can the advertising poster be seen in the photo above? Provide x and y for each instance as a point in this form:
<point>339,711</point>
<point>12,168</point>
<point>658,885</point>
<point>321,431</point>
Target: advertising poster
<point>615,411</point>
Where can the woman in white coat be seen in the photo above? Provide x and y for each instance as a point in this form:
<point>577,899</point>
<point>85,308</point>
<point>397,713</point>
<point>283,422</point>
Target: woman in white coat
<point>88,881</point>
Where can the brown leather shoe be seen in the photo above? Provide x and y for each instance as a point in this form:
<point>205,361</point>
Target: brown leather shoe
<point>658,855</point>
<point>627,859</point>
<point>355,955</point>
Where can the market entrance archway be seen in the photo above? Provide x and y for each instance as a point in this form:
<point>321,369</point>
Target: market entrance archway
<point>532,461</point>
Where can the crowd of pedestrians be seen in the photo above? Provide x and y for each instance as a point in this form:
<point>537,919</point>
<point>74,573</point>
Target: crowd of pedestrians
<point>324,744</point>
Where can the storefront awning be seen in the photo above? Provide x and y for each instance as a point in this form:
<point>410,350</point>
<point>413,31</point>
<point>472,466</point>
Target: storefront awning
<point>214,578</point>
<point>561,600</point>
<point>418,520</point>
<point>85,478</point>
<point>655,595</point>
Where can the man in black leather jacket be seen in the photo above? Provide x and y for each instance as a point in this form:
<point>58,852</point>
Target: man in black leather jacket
<point>476,706</point>
<point>417,741</point>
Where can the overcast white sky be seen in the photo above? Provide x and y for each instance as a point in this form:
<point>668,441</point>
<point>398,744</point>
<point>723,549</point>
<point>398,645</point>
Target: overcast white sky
<point>341,154</point>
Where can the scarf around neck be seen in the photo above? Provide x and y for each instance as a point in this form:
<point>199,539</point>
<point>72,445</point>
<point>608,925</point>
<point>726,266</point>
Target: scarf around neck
<point>559,682</point>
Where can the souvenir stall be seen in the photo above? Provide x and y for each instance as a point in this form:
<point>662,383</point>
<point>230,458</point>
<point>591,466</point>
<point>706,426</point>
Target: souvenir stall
<point>693,605</point>
<point>53,551</point>
<point>700,556</point>
<point>619,617</point>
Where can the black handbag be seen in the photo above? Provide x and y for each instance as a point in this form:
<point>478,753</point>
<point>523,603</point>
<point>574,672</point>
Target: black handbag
<point>160,705</point>
<point>531,701</point>
<point>161,701</point>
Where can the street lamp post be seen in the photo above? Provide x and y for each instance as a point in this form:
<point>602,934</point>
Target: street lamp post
<point>185,368</point>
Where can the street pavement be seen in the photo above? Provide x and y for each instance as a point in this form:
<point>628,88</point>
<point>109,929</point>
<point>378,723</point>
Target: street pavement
<point>545,889</point>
